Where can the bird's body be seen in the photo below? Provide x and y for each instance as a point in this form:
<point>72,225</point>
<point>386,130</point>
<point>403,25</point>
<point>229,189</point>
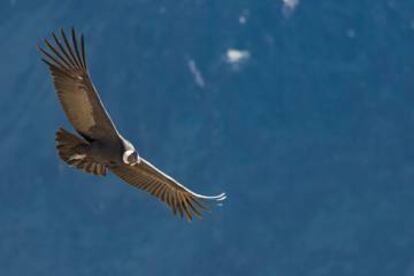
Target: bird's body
<point>100,147</point>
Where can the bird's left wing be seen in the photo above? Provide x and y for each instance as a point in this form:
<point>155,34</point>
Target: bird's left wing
<point>147,177</point>
<point>76,92</point>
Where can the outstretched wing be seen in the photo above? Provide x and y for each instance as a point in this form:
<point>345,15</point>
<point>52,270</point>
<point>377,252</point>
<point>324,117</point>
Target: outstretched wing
<point>147,177</point>
<point>76,92</point>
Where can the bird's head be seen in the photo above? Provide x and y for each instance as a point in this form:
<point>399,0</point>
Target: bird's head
<point>131,157</point>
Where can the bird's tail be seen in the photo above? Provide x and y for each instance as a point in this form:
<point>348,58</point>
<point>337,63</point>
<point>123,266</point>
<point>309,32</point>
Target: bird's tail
<point>73,150</point>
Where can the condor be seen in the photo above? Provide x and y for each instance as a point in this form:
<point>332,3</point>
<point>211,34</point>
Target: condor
<point>100,147</point>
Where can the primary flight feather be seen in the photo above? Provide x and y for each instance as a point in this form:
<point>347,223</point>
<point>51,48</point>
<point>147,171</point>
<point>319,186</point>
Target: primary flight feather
<point>101,147</point>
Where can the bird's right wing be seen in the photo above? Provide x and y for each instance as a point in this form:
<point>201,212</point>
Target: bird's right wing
<point>76,92</point>
<point>147,177</point>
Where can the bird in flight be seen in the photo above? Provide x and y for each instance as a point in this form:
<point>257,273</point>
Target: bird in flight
<point>100,147</point>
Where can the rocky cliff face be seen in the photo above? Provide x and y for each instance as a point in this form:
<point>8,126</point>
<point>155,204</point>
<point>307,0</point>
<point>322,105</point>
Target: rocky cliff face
<point>302,111</point>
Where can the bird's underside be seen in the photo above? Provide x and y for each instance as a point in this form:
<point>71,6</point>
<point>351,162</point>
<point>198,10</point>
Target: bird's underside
<point>75,151</point>
<point>86,112</point>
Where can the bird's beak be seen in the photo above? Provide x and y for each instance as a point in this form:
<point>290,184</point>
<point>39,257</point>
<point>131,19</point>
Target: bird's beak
<point>136,162</point>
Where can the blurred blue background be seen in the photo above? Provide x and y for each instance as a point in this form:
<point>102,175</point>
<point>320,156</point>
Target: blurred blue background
<point>302,111</point>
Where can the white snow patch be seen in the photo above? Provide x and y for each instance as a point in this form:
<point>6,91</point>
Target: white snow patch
<point>237,56</point>
<point>198,77</point>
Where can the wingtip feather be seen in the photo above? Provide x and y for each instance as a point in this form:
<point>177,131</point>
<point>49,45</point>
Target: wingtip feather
<point>219,197</point>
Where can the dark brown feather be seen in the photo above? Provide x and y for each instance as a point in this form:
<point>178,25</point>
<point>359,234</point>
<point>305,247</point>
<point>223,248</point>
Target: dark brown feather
<point>148,178</point>
<point>76,93</point>
<point>75,44</point>
<point>60,57</point>
<point>69,145</point>
<point>69,48</point>
<point>83,52</point>
<point>63,50</point>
